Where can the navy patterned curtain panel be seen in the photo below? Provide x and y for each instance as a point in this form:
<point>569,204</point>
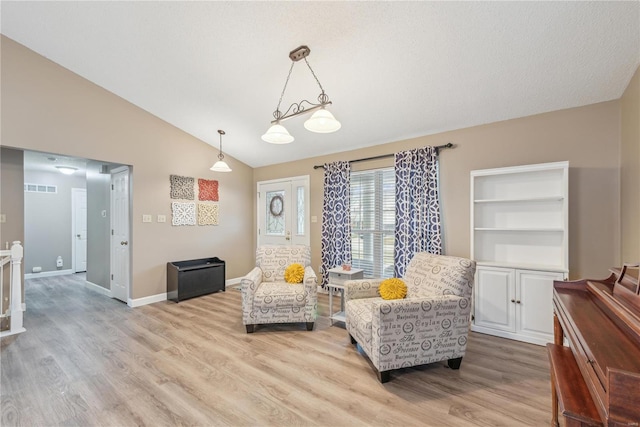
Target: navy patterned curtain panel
<point>336,224</point>
<point>417,206</point>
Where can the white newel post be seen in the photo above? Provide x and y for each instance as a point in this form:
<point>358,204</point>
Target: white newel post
<point>16,290</point>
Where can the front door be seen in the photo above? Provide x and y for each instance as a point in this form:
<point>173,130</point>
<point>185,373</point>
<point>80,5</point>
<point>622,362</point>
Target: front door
<point>283,211</point>
<point>120,242</point>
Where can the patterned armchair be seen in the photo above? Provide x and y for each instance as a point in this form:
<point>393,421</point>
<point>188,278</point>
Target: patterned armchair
<point>430,325</point>
<point>267,298</point>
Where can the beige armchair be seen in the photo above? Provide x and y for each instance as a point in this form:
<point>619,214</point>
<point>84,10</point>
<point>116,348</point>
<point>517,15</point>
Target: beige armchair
<point>430,325</point>
<point>267,298</point>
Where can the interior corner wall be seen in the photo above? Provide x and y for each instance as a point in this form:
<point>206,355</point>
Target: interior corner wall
<point>98,225</point>
<point>588,137</point>
<point>47,108</point>
<point>12,207</point>
<point>11,195</point>
<point>47,221</point>
<point>630,171</point>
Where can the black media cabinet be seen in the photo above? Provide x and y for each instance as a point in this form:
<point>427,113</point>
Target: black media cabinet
<point>193,278</point>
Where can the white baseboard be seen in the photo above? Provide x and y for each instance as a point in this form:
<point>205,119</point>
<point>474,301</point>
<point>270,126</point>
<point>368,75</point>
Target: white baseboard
<point>232,282</point>
<point>97,288</point>
<point>48,274</point>
<point>146,300</point>
<point>9,332</point>
<point>163,297</point>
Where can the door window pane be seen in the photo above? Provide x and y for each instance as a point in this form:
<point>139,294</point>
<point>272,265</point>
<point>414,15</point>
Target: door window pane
<point>275,213</point>
<point>300,199</point>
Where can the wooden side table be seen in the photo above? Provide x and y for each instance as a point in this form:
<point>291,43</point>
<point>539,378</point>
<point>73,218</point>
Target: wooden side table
<point>337,277</point>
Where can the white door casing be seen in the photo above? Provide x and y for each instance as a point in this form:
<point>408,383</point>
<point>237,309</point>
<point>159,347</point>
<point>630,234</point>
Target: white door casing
<point>120,241</point>
<point>283,211</point>
<point>79,229</point>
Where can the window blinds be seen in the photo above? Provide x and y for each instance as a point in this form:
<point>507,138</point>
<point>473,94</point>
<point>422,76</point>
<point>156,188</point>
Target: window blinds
<point>373,221</point>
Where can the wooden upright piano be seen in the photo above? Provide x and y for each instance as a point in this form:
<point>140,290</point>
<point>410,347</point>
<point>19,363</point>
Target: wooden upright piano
<point>596,380</point>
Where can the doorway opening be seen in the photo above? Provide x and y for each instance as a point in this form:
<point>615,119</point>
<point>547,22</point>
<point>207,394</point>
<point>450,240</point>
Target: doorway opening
<point>68,225</point>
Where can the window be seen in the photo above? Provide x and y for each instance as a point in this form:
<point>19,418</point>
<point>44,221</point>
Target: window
<point>373,221</point>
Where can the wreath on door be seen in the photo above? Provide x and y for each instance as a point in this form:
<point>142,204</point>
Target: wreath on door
<point>276,205</point>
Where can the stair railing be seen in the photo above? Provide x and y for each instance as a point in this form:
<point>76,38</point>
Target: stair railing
<point>15,309</point>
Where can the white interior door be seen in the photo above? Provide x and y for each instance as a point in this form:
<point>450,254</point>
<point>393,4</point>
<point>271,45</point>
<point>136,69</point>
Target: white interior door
<point>79,229</point>
<point>283,211</point>
<point>120,242</point>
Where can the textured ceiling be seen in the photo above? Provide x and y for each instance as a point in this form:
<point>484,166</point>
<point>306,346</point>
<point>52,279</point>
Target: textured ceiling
<point>394,70</point>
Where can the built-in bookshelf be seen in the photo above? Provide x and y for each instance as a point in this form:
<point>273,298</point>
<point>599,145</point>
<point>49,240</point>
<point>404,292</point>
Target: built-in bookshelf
<point>519,238</point>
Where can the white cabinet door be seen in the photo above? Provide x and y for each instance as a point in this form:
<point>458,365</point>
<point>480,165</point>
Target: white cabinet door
<point>495,288</point>
<point>534,301</point>
<point>515,304</point>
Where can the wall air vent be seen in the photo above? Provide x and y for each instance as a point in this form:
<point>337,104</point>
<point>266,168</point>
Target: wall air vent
<point>40,188</point>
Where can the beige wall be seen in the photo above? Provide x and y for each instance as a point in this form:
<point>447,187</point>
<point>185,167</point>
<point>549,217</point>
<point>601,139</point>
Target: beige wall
<point>11,195</point>
<point>12,206</point>
<point>48,108</point>
<point>588,137</point>
<point>630,171</point>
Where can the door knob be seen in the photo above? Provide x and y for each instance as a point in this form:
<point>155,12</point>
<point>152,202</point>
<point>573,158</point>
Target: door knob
<point>124,243</point>
<point>78,235</point>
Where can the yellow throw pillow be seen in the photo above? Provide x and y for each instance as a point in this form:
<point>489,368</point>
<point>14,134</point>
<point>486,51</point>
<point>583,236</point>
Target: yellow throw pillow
<point>393,289</point>
<point>294,273</point>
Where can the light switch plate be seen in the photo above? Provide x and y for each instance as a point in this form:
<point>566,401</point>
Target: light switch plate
<point>162,218</point>
<point>146,218</point>
<point>314,218</point>
<point>3,218</point>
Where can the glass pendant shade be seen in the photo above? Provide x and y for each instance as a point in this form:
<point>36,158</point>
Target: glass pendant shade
<point>322,121</point>
<point>277,134</point>
<point>220,166</point>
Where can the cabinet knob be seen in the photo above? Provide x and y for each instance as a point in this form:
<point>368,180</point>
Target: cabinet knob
<point>513,300</point>
<point>518,302</point>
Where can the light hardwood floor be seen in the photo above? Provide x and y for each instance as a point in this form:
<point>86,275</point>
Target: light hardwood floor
<point>90,360</point>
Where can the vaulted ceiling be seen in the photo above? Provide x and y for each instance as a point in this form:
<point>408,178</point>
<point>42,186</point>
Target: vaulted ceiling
<point>394,70</point>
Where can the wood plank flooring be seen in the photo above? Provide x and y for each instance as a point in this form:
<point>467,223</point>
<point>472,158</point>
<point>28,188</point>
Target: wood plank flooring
<point>89,360</point>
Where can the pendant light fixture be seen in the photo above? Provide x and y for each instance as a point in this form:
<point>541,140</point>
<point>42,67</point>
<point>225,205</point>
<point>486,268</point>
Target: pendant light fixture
<point>220,165</point>
<point>322,121</point>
